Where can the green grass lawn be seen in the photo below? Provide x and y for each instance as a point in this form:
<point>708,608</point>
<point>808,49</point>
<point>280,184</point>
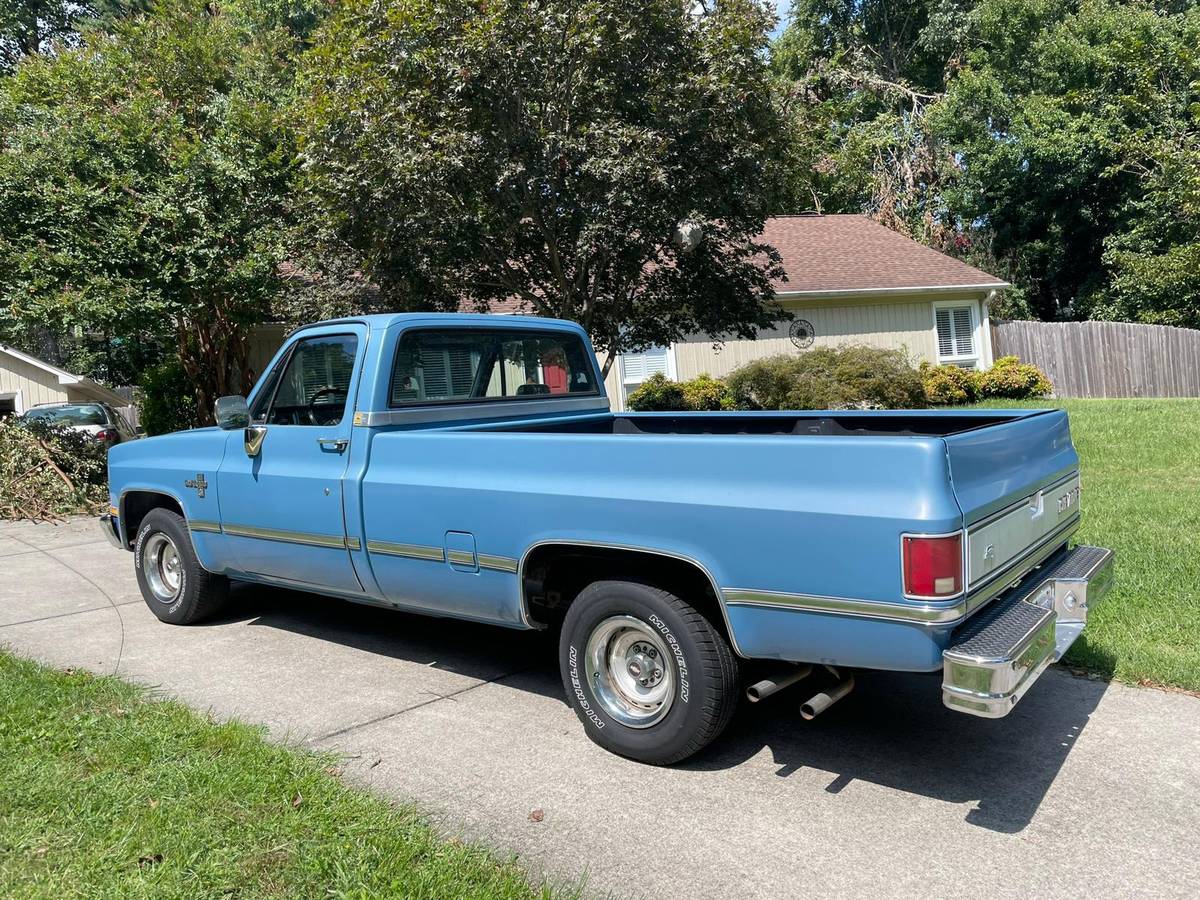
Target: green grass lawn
<point>1140,464</point>
<point>105,792</point>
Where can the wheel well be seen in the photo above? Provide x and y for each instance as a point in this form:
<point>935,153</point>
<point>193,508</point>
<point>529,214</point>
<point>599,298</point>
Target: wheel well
<point>554,574</point>
<point>135,505</point>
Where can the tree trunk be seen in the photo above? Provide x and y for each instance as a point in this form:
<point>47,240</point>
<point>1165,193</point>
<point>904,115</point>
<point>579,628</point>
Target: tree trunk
<point>214,353</point>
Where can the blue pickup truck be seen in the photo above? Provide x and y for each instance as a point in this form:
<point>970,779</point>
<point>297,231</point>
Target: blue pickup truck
<point>469,467</point>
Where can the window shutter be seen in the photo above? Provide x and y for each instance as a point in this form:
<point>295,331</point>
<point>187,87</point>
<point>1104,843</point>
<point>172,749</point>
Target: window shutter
<point>640,366</point>
<point>945,333</point>
<point>964,334</point>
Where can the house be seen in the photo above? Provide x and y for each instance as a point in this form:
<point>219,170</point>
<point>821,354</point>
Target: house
<point>849,280</point>
<point>26,381</point>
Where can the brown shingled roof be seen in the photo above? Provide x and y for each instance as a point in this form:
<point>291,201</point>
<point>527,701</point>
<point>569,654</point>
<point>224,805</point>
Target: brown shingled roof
<point>844,254</point>
<point>855,253</point>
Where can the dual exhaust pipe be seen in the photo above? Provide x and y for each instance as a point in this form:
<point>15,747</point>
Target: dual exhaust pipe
<point>814,705</point>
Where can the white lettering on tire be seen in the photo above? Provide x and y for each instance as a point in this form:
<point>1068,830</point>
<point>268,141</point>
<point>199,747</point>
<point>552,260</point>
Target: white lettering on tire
<point>679,660</point>
<point>577,686</point>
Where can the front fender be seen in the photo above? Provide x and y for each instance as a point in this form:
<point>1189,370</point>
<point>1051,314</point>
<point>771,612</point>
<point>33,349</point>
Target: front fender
<point>182,466</point>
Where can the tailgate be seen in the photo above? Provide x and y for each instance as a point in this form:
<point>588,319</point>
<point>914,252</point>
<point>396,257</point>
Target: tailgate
<point>1017,484</point>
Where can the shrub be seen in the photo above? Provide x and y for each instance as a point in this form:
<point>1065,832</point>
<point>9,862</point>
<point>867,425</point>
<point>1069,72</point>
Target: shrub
<point>949,385</point>
<point>706,393</point>
<point>49,471</point>
<point>657,393</point>
<point>850,377</point>
<point>168,400</point>
<point>1012,379</point>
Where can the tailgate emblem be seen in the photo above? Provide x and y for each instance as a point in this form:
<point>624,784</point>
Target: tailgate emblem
<point>1067,500</point>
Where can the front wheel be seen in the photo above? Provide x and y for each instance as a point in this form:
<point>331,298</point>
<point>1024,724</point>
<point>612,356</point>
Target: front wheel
<point>173,583</point>
<point>648,675</point>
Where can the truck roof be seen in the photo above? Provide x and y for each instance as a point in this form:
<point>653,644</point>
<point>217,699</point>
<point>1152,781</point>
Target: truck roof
<point>381,321</point>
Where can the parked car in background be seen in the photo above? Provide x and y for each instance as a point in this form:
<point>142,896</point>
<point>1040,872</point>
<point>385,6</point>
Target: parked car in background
<point>99,420</point>
<point>470,467</point>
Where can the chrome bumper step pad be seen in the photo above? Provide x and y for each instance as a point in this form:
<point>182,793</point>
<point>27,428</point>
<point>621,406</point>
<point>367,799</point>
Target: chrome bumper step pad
<point>997,655</point>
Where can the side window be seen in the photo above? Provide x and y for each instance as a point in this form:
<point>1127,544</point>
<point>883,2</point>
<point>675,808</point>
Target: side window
<point>454,365</point>
<point>315,384</point>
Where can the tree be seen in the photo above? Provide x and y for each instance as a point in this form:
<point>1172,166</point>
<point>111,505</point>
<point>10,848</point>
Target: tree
<point>30,27</point>
<point>1048,141</point>
<point>143,187</point>
<point>607,161</point>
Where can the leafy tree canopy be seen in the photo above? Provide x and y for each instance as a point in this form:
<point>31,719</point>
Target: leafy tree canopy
<point>143,185</point>
<point>609,162</point>
<point>1054,142</point>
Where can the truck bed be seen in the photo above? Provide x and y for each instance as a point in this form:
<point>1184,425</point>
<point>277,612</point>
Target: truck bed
<point>865,423</point>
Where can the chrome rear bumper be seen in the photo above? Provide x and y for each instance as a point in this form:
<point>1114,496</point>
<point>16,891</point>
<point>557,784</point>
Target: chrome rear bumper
<point>997,655</point>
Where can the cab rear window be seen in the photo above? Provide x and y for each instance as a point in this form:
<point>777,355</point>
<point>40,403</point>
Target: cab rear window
<point>489,364</point>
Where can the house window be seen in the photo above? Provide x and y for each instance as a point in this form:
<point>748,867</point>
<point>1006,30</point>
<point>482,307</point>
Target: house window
<point>637,367</point>
<point>957,334</point>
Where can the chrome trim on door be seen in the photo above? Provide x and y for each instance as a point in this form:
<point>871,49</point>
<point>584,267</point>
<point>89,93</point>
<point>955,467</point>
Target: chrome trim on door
<point>498,563</point>
<point>411,551</point>
<point>335,542</point>
<point>353,544</point>
<point>203,525</point>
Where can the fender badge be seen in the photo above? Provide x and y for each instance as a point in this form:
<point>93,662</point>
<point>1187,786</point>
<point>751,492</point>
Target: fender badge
<point>199,484</point>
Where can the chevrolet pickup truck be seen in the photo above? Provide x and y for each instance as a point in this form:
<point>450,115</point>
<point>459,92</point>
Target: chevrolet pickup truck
<point>469,467</point>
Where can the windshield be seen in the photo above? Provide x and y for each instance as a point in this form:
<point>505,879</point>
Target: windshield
<point>75,414</point>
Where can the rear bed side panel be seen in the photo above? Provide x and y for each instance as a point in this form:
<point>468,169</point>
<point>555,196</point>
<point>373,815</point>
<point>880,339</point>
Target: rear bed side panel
<point>995,466</point>
<point>815,515</point>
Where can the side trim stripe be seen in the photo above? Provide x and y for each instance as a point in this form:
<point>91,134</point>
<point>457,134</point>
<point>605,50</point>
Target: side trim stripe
<point>387,548</point>
<point>498,563</point>
<point>336,542</point>
<point>412,551</point>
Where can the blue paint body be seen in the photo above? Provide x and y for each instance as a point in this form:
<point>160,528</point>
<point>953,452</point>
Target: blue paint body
<point>795,513</point>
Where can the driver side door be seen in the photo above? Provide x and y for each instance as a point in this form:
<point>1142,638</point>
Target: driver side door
<point>281,507</point>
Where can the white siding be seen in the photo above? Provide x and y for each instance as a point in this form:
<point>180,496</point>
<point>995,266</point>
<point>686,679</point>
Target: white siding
<point>901,326</point>
<point>31,384</point>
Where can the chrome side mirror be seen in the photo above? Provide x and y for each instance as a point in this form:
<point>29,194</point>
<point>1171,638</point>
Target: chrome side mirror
<point>231,412</point>
<point>255,435</point>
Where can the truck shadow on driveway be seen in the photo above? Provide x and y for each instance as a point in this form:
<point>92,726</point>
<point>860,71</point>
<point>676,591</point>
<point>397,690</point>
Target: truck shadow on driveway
<point>892,731</point>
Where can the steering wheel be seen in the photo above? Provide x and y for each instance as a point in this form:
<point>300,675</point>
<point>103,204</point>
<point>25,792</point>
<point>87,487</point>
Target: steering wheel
<point>328,391</point>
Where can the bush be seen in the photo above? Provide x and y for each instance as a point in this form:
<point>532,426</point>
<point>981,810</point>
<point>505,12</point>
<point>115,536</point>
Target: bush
<point>705,393</point>
<point>168,400</point>
<point>47,472</point>
<point>1014,380</point>
<point>827,378</point>
<point>659,394</point>
<point>949,385</point>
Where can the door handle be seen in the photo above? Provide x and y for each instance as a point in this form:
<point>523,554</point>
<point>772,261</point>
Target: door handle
<point>338,444</point>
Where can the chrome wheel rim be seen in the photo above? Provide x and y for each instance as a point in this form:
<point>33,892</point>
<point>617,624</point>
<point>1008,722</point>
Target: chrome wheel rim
<point>163,567</point>
<point>630,671</point>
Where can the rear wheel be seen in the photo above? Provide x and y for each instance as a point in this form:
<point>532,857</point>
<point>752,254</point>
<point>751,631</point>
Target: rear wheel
<point>173,583</point>
<point>648,675</point>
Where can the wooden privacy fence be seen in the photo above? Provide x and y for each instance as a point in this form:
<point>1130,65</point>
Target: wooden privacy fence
<point>1106,359</point>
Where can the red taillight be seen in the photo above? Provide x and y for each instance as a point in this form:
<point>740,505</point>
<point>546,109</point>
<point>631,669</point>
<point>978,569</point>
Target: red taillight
<point>932,566</point>
<point>106,435</point>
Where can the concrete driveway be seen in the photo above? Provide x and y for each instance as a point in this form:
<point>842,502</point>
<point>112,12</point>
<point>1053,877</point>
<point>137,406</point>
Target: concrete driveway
<point>1087,789</point>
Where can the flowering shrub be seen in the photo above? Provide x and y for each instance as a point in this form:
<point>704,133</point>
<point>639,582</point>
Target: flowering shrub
<point>659,394</point>
<point>1012,379</point>
<point>949,385</point>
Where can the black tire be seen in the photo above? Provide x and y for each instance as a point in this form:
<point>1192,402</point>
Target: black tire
<point>195,594</point>
<point>705,687</point>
